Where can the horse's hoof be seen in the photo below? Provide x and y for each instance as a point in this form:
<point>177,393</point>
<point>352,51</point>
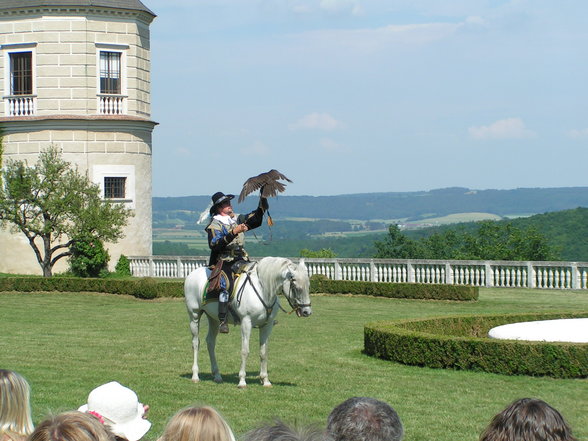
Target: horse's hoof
<point>267,385</point>
<point>242,386</point>
<point>218,380</point>
<point>195,380</point>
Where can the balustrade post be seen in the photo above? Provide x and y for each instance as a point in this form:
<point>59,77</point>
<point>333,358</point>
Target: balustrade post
<point>338,275</point>
<point>530,275</point>
<point>575,276</point>
<point>151,267</point>
<point>411,273</point>
<point>180,269</point>
<point>448,274</point>
<point>373,274</point>
<point>489,276</point>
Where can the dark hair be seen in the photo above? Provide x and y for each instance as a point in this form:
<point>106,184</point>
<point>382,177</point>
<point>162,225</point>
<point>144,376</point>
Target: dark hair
<point>364,419</point>
<point>280,431</point>
<point>528,419</point>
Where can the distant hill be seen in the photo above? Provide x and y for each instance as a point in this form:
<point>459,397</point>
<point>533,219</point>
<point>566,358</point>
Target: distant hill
<point>410,206</point>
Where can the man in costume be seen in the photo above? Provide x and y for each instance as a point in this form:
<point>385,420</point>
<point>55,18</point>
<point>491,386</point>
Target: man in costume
<point>226,239</point>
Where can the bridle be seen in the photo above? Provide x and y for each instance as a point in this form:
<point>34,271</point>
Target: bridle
<point>297,307</point>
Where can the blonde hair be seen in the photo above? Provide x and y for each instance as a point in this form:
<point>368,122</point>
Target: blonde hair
<point>197,424</point>
<point>15,405</point>
<point>71,426</point>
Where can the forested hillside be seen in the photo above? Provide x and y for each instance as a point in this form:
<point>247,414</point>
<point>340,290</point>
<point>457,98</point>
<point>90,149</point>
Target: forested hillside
<point>566,231</point>
<point>350,224</point>
<point>400,206</point>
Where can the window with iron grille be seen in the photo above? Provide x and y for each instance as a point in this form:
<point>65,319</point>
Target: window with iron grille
<point>21,73</point>
<point>110,82</point>
<point>114,187</point>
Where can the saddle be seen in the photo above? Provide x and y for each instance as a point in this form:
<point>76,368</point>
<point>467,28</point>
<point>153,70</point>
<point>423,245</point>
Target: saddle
<point>213,287</point>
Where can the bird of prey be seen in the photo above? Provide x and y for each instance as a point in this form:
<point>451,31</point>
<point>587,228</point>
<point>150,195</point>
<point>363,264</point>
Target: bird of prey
<point>268,184</point>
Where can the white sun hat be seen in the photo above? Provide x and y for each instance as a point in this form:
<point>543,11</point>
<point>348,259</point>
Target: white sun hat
<point>120,408</point>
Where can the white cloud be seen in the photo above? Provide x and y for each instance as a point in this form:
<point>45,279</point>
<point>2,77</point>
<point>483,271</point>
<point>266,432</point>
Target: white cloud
<point>341,6</point>
<point>330,145</point>
<point>258,148</point>
<point>509,128</point>
<point>578,133</point>
<point>318,121</point>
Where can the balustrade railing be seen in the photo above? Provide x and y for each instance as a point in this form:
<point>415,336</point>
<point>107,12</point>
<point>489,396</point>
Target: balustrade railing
<point>20,105</point>
<point>506,274</point>
<point>111,104</point>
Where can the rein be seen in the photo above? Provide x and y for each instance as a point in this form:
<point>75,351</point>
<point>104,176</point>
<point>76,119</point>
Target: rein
<point>268,309</point>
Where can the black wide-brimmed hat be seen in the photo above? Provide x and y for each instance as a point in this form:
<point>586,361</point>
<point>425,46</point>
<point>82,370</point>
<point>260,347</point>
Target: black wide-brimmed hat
<point>217,199</point>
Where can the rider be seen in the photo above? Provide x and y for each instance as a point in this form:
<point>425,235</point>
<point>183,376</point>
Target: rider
<point>226,240</point>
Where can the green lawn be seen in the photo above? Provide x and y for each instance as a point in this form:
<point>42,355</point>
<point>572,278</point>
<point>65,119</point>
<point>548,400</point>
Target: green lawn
<point>66,344</point>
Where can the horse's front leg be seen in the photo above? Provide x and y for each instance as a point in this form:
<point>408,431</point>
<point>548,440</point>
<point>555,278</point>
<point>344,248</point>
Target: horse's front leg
<point>245,335</point>
<point>264,334</point>
<point>211,343</point>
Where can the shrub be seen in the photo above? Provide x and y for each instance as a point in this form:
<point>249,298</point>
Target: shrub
<point>147,288</point>
<point>88,257</point>
<point>123,266</point>
<point>322,284</point>
<point>462,343</point>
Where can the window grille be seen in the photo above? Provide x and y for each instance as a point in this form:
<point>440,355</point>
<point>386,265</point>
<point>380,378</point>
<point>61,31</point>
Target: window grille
<point>21,73</point>
<point>114,187</point>
<point>110,72</point>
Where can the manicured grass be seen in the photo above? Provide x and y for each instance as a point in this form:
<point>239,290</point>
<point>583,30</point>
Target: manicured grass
<point>66,344</point>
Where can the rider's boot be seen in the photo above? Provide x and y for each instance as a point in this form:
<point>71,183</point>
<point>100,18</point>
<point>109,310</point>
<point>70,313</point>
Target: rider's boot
<point>223,302</point>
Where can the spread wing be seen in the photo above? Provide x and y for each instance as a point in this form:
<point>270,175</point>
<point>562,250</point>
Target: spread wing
<point>267,182</point>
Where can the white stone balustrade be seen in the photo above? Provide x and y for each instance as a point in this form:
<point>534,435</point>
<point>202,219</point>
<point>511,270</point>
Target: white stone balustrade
<point>505,274</point>
<point>111,104</point>
<point>20,105</point>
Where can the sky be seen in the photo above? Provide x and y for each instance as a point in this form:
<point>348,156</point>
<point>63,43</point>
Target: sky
<point>362,96</point>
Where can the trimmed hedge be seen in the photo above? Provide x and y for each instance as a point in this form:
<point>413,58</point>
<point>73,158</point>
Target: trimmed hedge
<point>144,288</point>
<point>462,343</point>
<point>321,284</point>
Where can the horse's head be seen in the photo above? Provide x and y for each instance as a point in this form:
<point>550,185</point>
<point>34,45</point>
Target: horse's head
<point>296,287</point>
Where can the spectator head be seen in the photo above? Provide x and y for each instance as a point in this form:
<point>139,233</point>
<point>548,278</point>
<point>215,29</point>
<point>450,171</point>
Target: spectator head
<point>15,405</point>
<point>197,424</point>
<point>364,419</point>
<point>71,426</point>
<point>279,431</point>
<point>119,408</point>
<point>529,419</point>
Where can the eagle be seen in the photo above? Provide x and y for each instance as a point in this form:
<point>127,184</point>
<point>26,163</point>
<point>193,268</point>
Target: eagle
<point>268,183</point>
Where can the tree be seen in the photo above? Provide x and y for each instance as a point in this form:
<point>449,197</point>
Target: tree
<point>52,204</point>
<point>324,253</point>
<point>396,245</point>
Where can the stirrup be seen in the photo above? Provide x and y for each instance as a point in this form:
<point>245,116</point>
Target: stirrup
<point>223,328</point>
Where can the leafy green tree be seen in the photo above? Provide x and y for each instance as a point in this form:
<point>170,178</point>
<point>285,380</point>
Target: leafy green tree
<point>52,204</point>
<point>396,245</point>
<point>324,253</point>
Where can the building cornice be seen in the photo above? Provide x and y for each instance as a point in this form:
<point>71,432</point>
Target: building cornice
<point>77,11</point>
<point>73,122</point>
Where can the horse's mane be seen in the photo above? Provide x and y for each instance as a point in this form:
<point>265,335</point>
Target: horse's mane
<point>272,271</point>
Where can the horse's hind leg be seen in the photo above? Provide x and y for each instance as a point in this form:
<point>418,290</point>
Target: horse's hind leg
<point>211,343</point>
<point>195,328</point>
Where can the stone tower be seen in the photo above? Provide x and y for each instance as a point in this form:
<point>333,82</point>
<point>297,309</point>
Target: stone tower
<point>76,74</point>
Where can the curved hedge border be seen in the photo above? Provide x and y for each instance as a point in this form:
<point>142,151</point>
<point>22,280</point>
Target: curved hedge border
<point>144,288</point>
<point>462,343</point>
<point>321,284</point>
